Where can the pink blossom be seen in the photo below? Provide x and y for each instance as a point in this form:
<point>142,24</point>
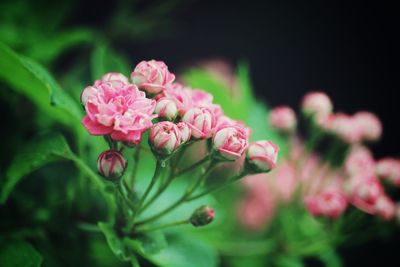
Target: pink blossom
<point>166,108</point>
<point>345,128</point>
<point>389,168</point>
<point>230,142</point>
<point>201,121</point>
<point>224,121</point>
<point>360,162</point>
<point>385,208</point>
<point>115,78</point>
<point>111,164</point>
<point>370,125</point>
<point>202,99</point>
<point>330,203</point>
<point>152,76</point>
<point>165,137</point>
<point>185,131</point>
<point>120,110</point>
<point>284,181</point>
<point>365,193</point>
<point>317,103</point>
<point>180,95</point>
<point>262,155</point>
<point>283,118</point>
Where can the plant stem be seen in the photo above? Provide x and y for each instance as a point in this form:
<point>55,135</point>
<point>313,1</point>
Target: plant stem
<point>158,227</point>
<point>182,199</point>
<point>193,166</point>
<point>136,159</point>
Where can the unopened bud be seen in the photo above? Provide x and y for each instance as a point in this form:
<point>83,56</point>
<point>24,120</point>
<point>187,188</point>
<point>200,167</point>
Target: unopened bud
<point>111,164</point>
<point>202,216</point>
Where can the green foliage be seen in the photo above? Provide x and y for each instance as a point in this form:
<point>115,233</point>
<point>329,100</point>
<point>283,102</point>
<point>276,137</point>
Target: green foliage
<point>33,81</point>
<point>39,152</point>
<point>14,253</point>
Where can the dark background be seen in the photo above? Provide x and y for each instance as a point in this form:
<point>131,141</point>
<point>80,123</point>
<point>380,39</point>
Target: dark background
<point>349,50</point>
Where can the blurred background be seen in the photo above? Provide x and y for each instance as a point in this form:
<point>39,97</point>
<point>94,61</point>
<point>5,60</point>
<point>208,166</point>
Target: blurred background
<point>349,50</point>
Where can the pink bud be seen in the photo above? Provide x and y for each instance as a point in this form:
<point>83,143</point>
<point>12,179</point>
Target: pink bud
<point>283,118</point>
<point>328,203</point>
<point>185,131</point>
<point>202,216</point>
<point>152,76</point>
<point>115,78</point>
<point>365,194</point>
<point>111,164</point>
<point>262,155</point>
<point>165,137</point>
<point>317,103</point>
<point>230,142</point>
<point>345,128</point>
<point>389,168</point>
<point>201,121</point>
<point>360,162</point>
<point>370,125</point>
<point>385,208</point>
<point>166,108</point>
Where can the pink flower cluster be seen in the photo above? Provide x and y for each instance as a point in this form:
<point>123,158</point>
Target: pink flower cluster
<point>124,110</point>
<point>325,190</point>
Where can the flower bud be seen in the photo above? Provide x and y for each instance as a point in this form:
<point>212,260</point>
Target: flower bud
<point>202,216</point>
<point>230,142</point>
<point>330,203</point>
<point>165,137</point>
<point>185,131</point>
<point>201,121</point>
<point>262,156</point>
<point>316,103</point>
<point>115,78</point>
<point>389,169</point>
<point>365,194</point>
<point>152,76</point>
<point>371,126</point>
<point>166,109</point>
<point>385,208</point>
<point>283,118</point>
<point>111,164</point>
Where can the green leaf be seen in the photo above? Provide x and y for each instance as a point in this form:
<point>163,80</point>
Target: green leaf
<point>152,242</point>
<point>288,261</point>
<point>40,151</point>
<point>331,259</point>
<point>33,81</point>
<point>105,60</point>
<point>19,253</point>
<point>183,252</point>
<point>116,245</point>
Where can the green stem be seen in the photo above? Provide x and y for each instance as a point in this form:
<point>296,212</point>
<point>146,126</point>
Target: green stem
<point>136,159</point>
<point>193,166</point>
<point>158,227</point>
<point>182,199</point>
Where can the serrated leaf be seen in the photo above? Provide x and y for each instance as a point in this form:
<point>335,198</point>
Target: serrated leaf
<point>33,81</point>
<point>34,155</point>
<point>19,253</point>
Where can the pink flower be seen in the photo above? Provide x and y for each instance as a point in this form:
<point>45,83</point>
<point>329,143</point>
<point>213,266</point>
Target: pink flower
<point>185,131</point>
<point>330,203</point>
<point>115,78</point>
<point>345,128</point>
<point>370,125</point>
<point>366,193</point>
<point>224,121</point>
<point>360,162</point>
<point>166,108</point>
<point>180,95</point>
<point>262,155</point>
<point>283,118</point>
<point>201,98</point>
<point>230,142</point>
<point>284,181</point>
<point>165,137</point>
<point>389,168</point>
<point>317,103</point>
<point>111,164</point>
<point>152,76</point>
<point>385,208</point>
<point>120,110</point>
<point>201,121</point>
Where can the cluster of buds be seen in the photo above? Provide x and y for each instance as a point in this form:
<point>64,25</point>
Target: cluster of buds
<point>326,189</point>
<point>123,109</point>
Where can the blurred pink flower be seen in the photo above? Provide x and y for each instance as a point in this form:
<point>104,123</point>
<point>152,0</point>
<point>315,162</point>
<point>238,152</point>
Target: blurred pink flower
<point>370,125</point>
<point>345,128</point>
<point>385,208</point>
<point>283,118</point>
<point>365,194</point>
<point>317,103</point>
<point>360,162</point>
<point>329,203</point>
<point>389,168</point>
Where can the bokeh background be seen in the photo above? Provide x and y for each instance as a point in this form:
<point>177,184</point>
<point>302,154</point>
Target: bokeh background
<point>349,50</point>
